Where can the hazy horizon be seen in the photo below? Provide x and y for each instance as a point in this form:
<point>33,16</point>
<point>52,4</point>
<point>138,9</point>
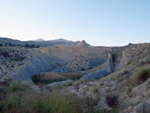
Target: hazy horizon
<point>98,22</point>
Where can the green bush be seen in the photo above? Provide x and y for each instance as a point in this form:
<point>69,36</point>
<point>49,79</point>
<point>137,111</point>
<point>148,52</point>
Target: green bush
<point>129,90</point>
<point>53,102</point>
<point>47,78</point>
<point>72,76</point>
<point>128,63</point>
<point>142,75</point>
<point>16,86</point>
<point>95,89</point>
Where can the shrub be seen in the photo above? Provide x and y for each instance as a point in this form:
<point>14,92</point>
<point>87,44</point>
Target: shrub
<point>72,76</point>
<point>16,86</point>
<point>104,110</point>
<point>142,75</point>
<point>76,83</point>
<point>125,72</point>
<point>145,61</point>
<point>129,90</point>
<point>112,100</point>
<point>91,102</point>
<point>87,88</point>
<point>95,89</point>
<point>4,53</point>
<point>47,78</point>
<point>18,58</point>
<point>53,102</point>
<point>31,46</point>
<point>128,63</point>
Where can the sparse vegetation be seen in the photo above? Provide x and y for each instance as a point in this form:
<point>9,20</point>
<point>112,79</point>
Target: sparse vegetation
<point>16,86</point>
<point>22,101</point>
<point>108,90</point>
<point>50,77</point>
<point>87,88</point>
<point>21,58</point>
<point>91,102</point>
<point>20,97</point>
<point>41,103</point>
<point>31,46</point>
<point>112,110</point>
<point>47,78</point>
<point>4,53</point>
<point>129,90</point>
<point>72,76</point>
<point>76,83</point>
<point>128,63</point>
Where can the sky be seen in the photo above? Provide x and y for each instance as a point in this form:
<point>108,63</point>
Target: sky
<point>98,22</point>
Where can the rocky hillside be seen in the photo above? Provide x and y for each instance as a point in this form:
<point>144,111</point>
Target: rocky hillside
<point>108,79</point>
<point>82,58</point>
<point>61,58</point>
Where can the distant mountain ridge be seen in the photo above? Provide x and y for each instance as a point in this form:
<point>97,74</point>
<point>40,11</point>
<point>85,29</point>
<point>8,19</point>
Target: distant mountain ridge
<point>41,42</point>
<point>39,39</point>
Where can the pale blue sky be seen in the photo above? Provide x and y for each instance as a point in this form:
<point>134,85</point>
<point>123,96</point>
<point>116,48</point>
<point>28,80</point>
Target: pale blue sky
<point>99,22</point>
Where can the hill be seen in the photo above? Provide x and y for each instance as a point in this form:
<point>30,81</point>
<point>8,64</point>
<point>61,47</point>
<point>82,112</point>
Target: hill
<point>38,42</point>
<point>103,79</point>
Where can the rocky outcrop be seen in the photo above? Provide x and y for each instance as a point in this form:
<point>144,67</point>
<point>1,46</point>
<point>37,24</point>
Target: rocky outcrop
<point>124,61</point>
<point>83,43</point>
<point>31,66</point>
<point>106,68</point>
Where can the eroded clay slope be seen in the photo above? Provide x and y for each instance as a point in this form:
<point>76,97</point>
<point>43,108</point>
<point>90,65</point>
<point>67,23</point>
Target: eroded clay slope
<point>60,58</point>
